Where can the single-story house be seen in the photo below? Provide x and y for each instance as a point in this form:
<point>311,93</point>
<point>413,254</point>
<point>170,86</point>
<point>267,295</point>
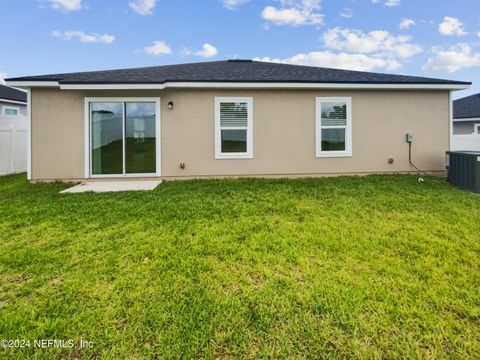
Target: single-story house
<point>13,102</point>
<point>234,118</point>
<point>466,123</point>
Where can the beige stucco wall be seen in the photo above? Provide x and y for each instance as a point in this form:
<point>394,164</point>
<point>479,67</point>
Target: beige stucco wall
<point>283,131</point>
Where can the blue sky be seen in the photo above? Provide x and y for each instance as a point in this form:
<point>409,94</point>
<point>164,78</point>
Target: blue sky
<point>418,37</point>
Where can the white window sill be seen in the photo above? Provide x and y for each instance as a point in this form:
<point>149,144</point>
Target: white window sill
<point>333,155</point>
<point>233,156</point>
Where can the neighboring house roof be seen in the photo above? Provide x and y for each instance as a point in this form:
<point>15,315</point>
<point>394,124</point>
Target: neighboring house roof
<point>233,71</point>
<point>467,107</point>
<point>12,94</point>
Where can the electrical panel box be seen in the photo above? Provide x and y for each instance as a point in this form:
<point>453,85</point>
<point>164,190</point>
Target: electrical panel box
<point>409,137</point>
<point>464,169</point>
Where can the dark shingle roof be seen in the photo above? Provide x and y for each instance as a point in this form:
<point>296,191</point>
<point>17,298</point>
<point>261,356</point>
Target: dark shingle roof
<point>233,71</point>
<point>10,93</point>
<point>467,107</point>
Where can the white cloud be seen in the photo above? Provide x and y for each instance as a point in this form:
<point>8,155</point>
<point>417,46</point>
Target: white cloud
<point>294,13</point>
<point>3,76</point>
<point>451,26</point>
<point>83,37</point>
<point>406,23</point>
<point>233,4</point>
<point>347,13</point>
<point>207,51</point>
<point>388,3</point>
<point>452,59</point>
<point>380,43</point>
<point>478,34</point>
<point>143,7</point>
<point>359,62</point>
<point>66,5</point>
<point>158,48</point>
<point>392,3</point>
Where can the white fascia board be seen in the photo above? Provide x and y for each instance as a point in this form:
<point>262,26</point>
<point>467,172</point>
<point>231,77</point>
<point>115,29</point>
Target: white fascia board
<point>237,85</point>
<point>314,86</point>
<point>30,84</point>
<point>13,102</point>
<point>215,85</point>
<point>112,86</point>
<point>465,119</point>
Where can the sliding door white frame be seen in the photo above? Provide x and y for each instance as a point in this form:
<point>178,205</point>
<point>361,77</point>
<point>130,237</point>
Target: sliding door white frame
<point>88,136</point>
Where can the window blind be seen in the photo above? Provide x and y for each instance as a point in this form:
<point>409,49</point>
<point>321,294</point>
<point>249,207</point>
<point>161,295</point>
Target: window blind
<point>334,114</point>
<point>233,115</point>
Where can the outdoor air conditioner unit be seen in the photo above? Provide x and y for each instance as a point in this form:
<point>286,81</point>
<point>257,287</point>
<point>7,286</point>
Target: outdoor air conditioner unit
<point>464,169</point>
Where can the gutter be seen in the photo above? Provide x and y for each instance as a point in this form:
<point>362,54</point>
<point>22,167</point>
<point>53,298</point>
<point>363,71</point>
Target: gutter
<point>13,101</point>
<point>466,119</point>
<point>235,85</point>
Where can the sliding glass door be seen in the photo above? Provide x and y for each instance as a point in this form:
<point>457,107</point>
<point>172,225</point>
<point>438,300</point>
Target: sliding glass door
<point>123,137</point>
<point>140,138</point>
<point>107,138</point>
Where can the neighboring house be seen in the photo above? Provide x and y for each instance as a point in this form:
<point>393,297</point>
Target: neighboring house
<point>13,102</point>
<point>235,118</point>
<point>466,123</point>
<point>13,130</point>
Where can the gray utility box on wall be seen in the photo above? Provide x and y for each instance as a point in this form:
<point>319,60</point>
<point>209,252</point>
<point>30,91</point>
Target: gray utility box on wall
<point>464,169</point>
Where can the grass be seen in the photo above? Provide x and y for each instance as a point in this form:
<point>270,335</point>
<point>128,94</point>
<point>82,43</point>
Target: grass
<point>353,267</point>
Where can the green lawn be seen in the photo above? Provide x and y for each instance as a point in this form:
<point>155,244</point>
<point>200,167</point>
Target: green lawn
<point>362,267</point>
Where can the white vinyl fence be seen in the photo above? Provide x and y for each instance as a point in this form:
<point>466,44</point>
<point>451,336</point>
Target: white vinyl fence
<point>466,142</point>
<point>13,144</point>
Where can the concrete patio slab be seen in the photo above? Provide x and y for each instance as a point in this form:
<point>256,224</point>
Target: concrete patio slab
<point>113,186</point>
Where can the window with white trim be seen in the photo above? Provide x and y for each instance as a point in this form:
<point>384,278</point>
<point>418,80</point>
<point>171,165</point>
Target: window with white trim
<point>10,111</point>
<point>334,127</point>
<point>233,127</point>
<point>477,129</point>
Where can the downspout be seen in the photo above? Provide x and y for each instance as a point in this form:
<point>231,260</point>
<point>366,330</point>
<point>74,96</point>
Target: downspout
<point>450,119</point>
<point>29,133</point>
